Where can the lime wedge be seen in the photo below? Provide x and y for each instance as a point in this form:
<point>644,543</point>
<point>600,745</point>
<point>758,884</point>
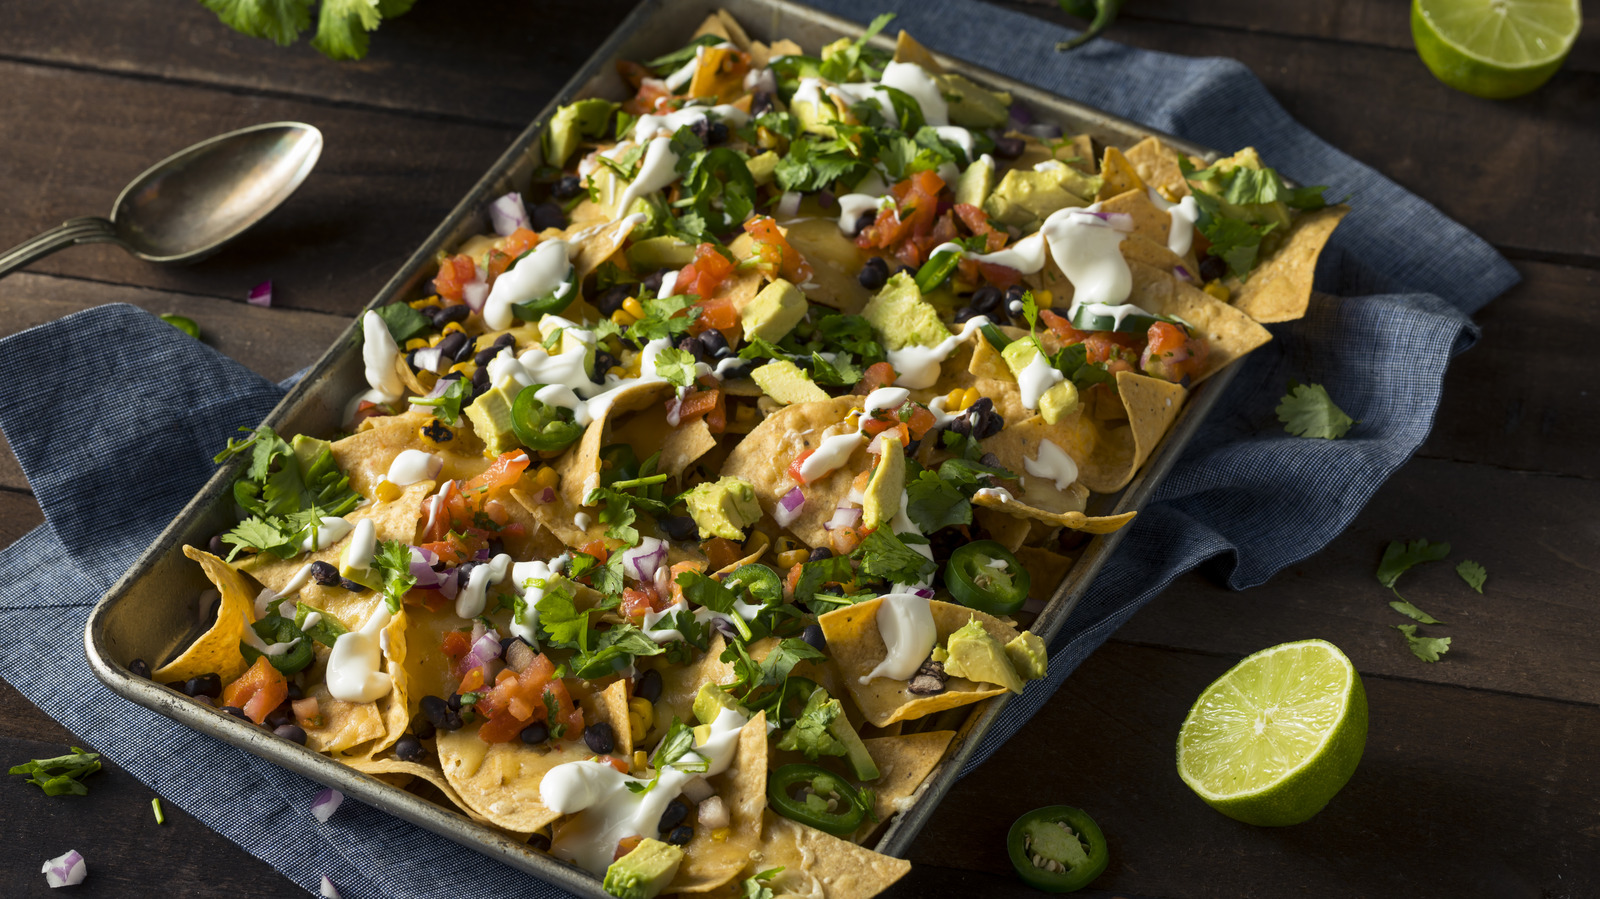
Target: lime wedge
<point>1272,740</point>
<point>1494,48</point>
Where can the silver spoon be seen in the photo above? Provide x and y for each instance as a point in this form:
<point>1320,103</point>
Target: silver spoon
<point>187,206</point>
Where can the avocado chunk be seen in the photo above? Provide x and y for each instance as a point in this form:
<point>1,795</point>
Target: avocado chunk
<point>660,252</point>
<point>1058,402</point>
<point>710,702</point>
<point>976,182</point>
<point>1024,198</point>
<point>762,167</point>
<point>973,106</point>
<point>973,653</point>
<point>571,124</point>
<point>902,317</point>
<point>571,338</point>
<point>490,415</point>
<point>785,382</point>
<point>308,452</point>
<point>1027,654</point>
<point>886,486</point>
<point>816,118</point>
<point>724,508</point>
<point>644,872</point>
<point>774,311</point>
<point>1018,354</point>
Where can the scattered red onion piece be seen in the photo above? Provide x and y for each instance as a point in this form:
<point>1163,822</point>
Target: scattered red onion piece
<point>326,803</point>
<point>508,213</point>
<point>643,560</point>
<point>261,295</point>
<point>475,294</point>
<point>67,870</point>
<point>328,890</point>
<point>789,205</point>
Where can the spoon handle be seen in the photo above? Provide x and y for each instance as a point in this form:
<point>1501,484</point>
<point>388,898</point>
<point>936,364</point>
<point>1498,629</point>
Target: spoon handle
<point>89,229</point>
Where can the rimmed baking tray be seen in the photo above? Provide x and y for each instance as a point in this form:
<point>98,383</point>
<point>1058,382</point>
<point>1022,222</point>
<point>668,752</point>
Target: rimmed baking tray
<point>150,612</point>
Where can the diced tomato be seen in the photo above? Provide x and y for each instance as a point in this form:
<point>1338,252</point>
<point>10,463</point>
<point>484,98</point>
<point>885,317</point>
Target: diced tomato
<point>518,242</point>
<point>720,553</point>
<point>635,603</point>
<point>977,221</point>
<point>456,644</point>
<point>455,273</point>
<point>633,73</point>
<point>677,569</point>
<point>1165,338</point>
<point>307,712</point>
<point>567,711</point>
<point>472,681</point>
<point>626,844</point>
<point>496,511</point>
<point>622,767</point>
<point>596,548</point>
<point>791,264</point>
<point>846,539</point>
<point>921,421</point>
<point>1102,344</point>
<point>1001,276</point>
<point>503,472</point>
<point>1117,365</point>
<point>705,274</point>
<point>794,467</point>
<point>861,481</point>
<point>648,99</point>
<point>879,374</point>
<point>717,313</point>
<point>495,265</point>
<point>703,403</point>
<point>1062,327</point>
<point>1172,354</point>
<point>258,691</point>
<point>510,697</point>
<point>368,409</point>
<point>502,726</point>
<point>791,581</point>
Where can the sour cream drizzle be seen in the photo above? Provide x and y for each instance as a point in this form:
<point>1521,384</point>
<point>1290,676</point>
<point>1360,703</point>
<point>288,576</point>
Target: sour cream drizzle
<point>1036,378</point>
<point>1053,464</point>
<point>526,573</point>
<point>411,466</point>
<point>329,531</point>
<point>470,601</point>
<point>905,620</point>
<point>541,273</point>
<point>378,355</point>
<point>835,450</point>
<point>1180,234</point>
<point>918,366</point>
<point>353,674</point>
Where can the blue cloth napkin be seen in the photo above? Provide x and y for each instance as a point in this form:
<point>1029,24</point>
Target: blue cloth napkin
<point>113,466</point>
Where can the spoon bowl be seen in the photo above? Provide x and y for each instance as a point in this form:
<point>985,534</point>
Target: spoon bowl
<point>187,206</point>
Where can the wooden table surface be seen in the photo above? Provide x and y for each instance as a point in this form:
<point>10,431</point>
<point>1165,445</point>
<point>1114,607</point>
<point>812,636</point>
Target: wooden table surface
<point>1482,772</point>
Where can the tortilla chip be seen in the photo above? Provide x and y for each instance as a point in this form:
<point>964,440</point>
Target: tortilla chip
<point>1152,406</point>
<point>681,683</point>
<point>835,264</point>
<point>1229,331</point>
<point>344,724</point>
<point>857,648</point>
<point>394,707</point>
<point>685,444</point>
<point>216,650</point>
<point>722,24</point>
<point>1157,166</point>
<point>500,781</point>
<point>365,456</point>
<point>904,762</point>
<point>707,862</point>
<point>1279,289</point>
<point>817,864</point>
<point>763,458</point>
<point>611,706</point>
<point>987,362</point>
<point>1003,529</point>
<point>1046,569</point>
<point>1119,174</point>
<point>582,460</point>
<point>596,244</point>
<point>429,773</point>
<point>908,49</point>
<point>1075,520</point>
<point>1149,222</point>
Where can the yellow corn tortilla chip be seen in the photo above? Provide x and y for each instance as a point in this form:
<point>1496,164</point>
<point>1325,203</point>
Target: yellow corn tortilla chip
<point>904,762</point>
<point>817,864</point>
<point>433,775</point>
<point>1229,332</point>
<point>582,460</point>
<point>1046,568</point>
<point>1151,227</point>
<point>1075,520</point>
<point>1279,289</point>
<point>500,781</point>
<point>763,458</point>
<point>857,648</point>
<point>908,49</point>
<point>216,650</point>
<point>394,707</point>
<point>596,244</point>
<point>722,24</point>
<point>1003,529</point>
<point>344,724</point>
<point>1119,174</point>
<point>709,863</point>
<point>1157,166</point>
<point>611,706</point>
<point>835,262</point>
<point>680,684</point>
<point>1151,405</point>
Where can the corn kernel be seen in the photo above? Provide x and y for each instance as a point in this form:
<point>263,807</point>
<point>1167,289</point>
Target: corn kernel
<point>617,370</point>
<point>632,307</point>
<point>467,368</point>
<point>545,477</point>
<point>968,397</point>
<point>386,492</point>
<point>452,327</point>
<point>415,343</point>
<point>1216,289</point>
<point>784,544</point>
<point>425,302</point>
<point>793,557</point>
<point>433,340</point>
<point>721,834</point>
<point>952,400</point>
<point>621,317</point>
<point>613,345</point>
<point>1043,298</point>
<point>641,716</point>
<point>641,759</point>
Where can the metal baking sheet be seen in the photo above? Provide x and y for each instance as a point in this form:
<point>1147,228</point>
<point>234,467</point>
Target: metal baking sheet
<point>149,613</point>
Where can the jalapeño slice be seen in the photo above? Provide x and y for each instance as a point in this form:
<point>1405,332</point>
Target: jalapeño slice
<point>819,785</point>
<point>1057,849</point>
<point>539,426</point>
<point>550,303</point>
<point>987,577</point>
<point>1131,319</point>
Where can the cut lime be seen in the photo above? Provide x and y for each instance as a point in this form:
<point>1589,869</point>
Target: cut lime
<point>1272,740</point>
<point>1494,48</point>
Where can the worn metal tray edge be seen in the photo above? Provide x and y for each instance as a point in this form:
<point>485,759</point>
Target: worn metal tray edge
<point>100,645</point>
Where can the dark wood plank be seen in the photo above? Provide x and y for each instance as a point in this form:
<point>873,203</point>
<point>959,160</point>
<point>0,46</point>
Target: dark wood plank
<point>493,61</point>
<point>273,342</point>
<point>1460,793</point>
<point>19,514</point>
<point>1530,631</point>
<point>383,183</point>
<point>1516,172</point>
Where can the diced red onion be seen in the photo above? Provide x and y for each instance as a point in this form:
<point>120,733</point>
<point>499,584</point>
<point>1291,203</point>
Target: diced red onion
<point>260,295</point>
<point>698,790</point>
<point>673,405</point>
<point>1046,130</point>
<point>508,213</point>
<point>450,583</point>
<point>1021,114</point>
<point>486,648</point>
<point>326,803</point>
<point>547,495</point>
<point>788,508</point>
<point>328,890</point>
<point>1182,273</point>
<point>664,580</point>
<point>481,555</point>
<point>924,592</point>
<point>827,200</point>
<point>475,293</point>
<point>66,870</point>
<point>422,562</point>
<point>429,358</point>
<point>789,205</point>
<point>844,517</point>
<point>713,812</point>
<point>644,560</point>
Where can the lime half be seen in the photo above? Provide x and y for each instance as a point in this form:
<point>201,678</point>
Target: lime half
<point>1494,48</point>
<point>1272,740</point>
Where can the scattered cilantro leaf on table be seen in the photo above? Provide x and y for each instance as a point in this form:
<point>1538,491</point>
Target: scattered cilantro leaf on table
<point>1428,649</point>
<point>62,775</point>
<point>1412,612</point>
<point>342,25</point>
<point>1398,558</point>
<point>1307,411</point>
<point>1473,573</point>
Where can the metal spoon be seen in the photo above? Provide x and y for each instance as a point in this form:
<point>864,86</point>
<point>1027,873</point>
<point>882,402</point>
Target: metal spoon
<point>188,205</point>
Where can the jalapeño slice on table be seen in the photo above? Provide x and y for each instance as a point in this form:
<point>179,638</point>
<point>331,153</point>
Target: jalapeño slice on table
<point>1057,849</point>
<point>987,577</point>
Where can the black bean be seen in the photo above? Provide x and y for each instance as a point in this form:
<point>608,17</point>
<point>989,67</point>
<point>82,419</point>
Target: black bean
<point>436,711</point>
<point>676,812</point>
<point>480,380</point>
<point>681,835</point>
<point>741,369</point>
<point>295,692</point>
<point>482,357</point>
<point>874,273</point>
<point>1014,294</point>
<point>454,722</point>
<point>989,459</point>
<point>820,553</point>
<point>283,714</point>
<point>547,215</point>
<point>648,685</point>
<point>204,685</point>
<point>455,313</point>
<point>535,733</point>
<point>294,733</point>
<point>678,527</point>
<point>455,346</point>
<point>454,702</point>
<point>965,313</point>
<point>910,449</point>
<point>496,546</point>
<point>701,129</point>
<point>600,738</point>
<point>139,668</point>
<point>651,285</point>
<point>568,187</point>
<point>236,712</point>
<point>464,573</point>
<point>1009,147</point>
<point>408,749</point>
<point>422,727</point>
<point>694,347</point>
<point>540,842</point>
<point>761,103</point>
<point>215,545</point>
<point>864,221</point>
<point>505,340</point>
<point>612,298</point>
<point>715,344</point>
<point>206,700</point>
<point>717,133</point>
<point>813,635</point>
<point>983,422</point>
<point>985,298</point>
<point>1212,268</point>
<point>324,574</point>
<point>350,585</point>
<point>603,362</point>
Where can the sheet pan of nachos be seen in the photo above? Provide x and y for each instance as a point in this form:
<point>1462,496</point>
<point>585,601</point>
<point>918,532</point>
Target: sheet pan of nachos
<point>678,519</point>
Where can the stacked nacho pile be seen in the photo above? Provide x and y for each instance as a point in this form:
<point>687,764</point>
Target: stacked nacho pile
<point>688,516</point>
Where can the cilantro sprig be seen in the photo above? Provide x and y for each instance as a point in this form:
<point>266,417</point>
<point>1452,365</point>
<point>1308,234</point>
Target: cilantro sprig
<point>447,406</point>
<point>62,775</point>
<point>285,492</point>
<point>1308,411</point>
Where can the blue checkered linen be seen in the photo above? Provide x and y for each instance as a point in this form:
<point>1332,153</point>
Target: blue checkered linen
<point>113,466</point>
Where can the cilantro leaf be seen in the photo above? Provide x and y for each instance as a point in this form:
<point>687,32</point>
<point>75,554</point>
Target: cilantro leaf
<point>664,317</point>
<point>677,366</point>
<point>279,21</point>
<point>1398,558</point>
<point>677,743</point>
<point>933,503</point>
<point>1308,411</point>
<point>755,887</point>
<point>1428,649</point>
<point>393,561</point>
<point>559,616</point>
<point>1412,612</point>
<point>326,631</point>
<point>670,62</point>
<point>62,775</point>
<point>552,716</point>
<point>841,64</point>
<point>886,555</point>
<point>1473,573</point>
<point>809,733</point>
<point>813,575</point>
<point>968,475</point>
<point>403,322</point>
<point>624,642</point>
<point>836,372</point>
<point>342,27</point>
<point>259,534</point>
<point>447,405</point>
